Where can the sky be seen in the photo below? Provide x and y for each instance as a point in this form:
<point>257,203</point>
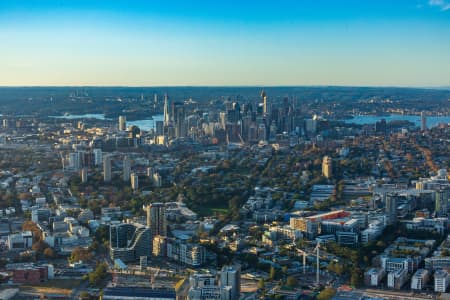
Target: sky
<point>223,43</point>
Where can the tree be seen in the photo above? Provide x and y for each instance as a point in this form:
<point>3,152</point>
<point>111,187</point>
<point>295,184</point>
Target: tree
<point>80,254</point>
<point>326,294</point>
<point>261,284</point>
<point>39,246</point>
<point>273,273</point>
<point>356,278</point>
<point>96,276</point>
<point>292,282</point>
<point>49,252</point>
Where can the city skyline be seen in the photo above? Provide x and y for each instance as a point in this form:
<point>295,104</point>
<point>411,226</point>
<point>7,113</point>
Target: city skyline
<point>88,43</point>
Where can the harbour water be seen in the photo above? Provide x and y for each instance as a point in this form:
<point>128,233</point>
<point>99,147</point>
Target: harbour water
<point>432,121</point>
<point>145,124</point>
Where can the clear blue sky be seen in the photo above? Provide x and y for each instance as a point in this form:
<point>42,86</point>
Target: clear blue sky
<point>212,42</point>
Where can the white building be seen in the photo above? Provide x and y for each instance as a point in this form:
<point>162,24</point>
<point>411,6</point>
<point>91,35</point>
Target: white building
<point>441,281</point>
<point>374,276</point>
<point>419,279</point>
<point>397,279</point>
<point>20,241</point>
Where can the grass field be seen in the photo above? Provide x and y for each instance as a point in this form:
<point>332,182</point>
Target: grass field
<point>211,211</point>
<point>56,286</point>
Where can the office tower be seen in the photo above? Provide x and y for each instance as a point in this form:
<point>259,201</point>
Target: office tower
<point>156,219</point>
<point>265,104</point>
<point>150,172</point>
<point>262,132</point>
<point>231,276</point>
<point>157,180</point>
<point>129,242</point>
<point>122,123</point>
<point>155,98</point>
<point>423,122</point>
<point>134,181</point>
<point>178,118</point>
<point>327,167</point>
<point>84,175</point>
<point>166,111</point>
<point>441,202</point>
<point>159,128</point>
<point>74,161</point>
<point>391,208</point>
<point>126,169</point>
<point>107,168</point>
<point>98,157</point>
<point>222,119</point>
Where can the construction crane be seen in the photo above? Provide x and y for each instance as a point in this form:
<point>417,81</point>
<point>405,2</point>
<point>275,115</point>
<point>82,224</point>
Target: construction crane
<point>304,254</point>
<point>304,258</point>
<point>318,263</point>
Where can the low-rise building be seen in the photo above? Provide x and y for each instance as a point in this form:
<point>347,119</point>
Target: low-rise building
<point>20,241</point>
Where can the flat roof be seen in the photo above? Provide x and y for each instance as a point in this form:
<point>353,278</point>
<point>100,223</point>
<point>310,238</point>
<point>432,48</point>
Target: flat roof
<point>139,292</point>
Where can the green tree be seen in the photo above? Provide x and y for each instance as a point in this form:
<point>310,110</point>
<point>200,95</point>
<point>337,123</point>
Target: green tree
<point>261,284</point>
<point>49,252</point>
<point>96,276</point>
<point>292,282</point>
<point>326,294</point>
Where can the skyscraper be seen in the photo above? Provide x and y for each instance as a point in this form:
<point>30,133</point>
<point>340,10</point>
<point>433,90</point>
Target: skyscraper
<point>156,219</point>
<point>134,181</point>
<point>178,118</point>
<point>122,123</point>
<point>166,111</point>
<point>441,204</point>
<point>107,168</point>
<point>391,208</point>
<point>231,276</point>
<point>423,122</point>
<point>98,157</point>
<point>327,167</point>
<point>84,175</point>
<point>126,169</point>
<point>265,104</point>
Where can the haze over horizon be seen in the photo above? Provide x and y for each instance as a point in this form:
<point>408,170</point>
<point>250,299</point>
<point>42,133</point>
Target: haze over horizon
<point>173,43</point>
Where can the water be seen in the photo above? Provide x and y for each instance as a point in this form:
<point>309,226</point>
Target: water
<point>432,121</point>
<point>85,116</point>
<point>146,124</point>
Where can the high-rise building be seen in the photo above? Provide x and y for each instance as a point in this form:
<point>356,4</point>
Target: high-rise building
<point>98,157</point>
<point>231,276</point>
<point>166,111</point>
<point>441,206</point>
<point>441,281</point>
<point>420,279</point>
<point>327,167</point>
<point>134,181</point>
<point>126,169</point>
<point>265,104</point>
<point>391,208</point>
<point>178,117</point>
<point>156,219</point>
<point>74,161</point>
<point>122,123</point>
<point>129,242</point>
<point>84,175</point>
<point>159,127</point>
<point>423,122</point>
<point>107,168</point>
